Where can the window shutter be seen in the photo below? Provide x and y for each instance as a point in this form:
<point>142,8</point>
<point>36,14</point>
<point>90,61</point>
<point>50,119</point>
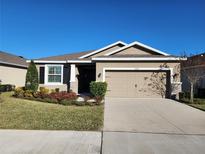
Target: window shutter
<point>42,74</point>
<point>66,74</point>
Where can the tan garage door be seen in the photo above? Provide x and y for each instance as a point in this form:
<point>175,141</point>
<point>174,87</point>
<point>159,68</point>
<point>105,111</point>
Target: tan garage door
<point>136,84</point>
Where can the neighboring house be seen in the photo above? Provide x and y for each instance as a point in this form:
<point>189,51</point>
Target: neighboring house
<point>196,64</point>
<point>12,69</point>
<point>127,68</point>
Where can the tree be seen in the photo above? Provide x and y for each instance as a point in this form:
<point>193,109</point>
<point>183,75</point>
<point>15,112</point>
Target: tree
<point>192,73</point>
<point>158,82</point>
<point>32,77</point>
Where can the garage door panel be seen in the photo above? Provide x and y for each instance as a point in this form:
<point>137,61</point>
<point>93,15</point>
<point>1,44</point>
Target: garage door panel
<point>131,84</point>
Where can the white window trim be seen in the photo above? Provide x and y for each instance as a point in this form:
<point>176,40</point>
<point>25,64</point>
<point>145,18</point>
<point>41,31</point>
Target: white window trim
<point>46,75</point>
<point>137,69</point>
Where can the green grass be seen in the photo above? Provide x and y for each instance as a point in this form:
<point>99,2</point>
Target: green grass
<point>199,106</point>
<point>199,103</point>
<point>24,114</point>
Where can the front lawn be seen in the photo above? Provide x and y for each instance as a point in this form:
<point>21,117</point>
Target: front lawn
<point>199,106</point>
<point>25,114</point>
<point>199,103</point>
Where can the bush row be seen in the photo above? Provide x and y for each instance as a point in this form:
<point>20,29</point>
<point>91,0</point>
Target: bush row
<point>6,87</point>
<point>52,96</point>
<point>44,95</point>
<point>185,97</point>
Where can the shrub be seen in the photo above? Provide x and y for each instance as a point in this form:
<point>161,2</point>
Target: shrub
<point>199,101</point>
<point>181,95</point>
<point>19,92</point>
<point>28,93</point>
<point>40,95</point>
<point>67,102</point>
<point>44,90</point>
<point>187,95</point>
<point>49,100</point>
<point>52,90</point>
<point>57,90</point>
<point>6,87</point>
<point>98,90</point>
<point>63,95</point>
<point>32,77</point>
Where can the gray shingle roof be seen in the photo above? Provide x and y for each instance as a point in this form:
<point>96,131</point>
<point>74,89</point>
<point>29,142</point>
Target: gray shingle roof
<point>10,59</point>
<point>65,56</point>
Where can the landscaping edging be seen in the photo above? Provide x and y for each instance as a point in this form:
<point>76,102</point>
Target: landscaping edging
<point>63,102</point>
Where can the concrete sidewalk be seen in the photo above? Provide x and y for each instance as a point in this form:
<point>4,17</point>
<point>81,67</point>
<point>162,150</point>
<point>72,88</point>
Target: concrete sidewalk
<point>147,143</point>
<point>49,142</point>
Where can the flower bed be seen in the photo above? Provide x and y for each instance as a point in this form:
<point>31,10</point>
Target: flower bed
<point>56,97</point>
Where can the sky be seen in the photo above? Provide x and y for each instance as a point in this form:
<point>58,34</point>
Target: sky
<point>40,28</point>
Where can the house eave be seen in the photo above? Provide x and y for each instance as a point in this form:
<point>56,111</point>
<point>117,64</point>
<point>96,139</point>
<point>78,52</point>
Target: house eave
<point>13,64</point>
<point>79,61</point>
<point>46,61</point>
<point>138,59</point>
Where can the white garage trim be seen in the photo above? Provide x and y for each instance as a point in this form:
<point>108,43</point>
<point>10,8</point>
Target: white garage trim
<point>137,69</point>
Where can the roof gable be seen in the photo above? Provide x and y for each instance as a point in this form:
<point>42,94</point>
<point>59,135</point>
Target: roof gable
<point>103,49</point>
<point>137,48</point>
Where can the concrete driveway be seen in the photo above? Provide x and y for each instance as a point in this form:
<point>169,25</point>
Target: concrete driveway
<point>152,126</point>
<point>152,116</point>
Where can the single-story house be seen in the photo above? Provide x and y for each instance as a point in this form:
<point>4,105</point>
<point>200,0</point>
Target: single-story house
<point>127,68</point>
<point>195,65</point>
<point>12,69</point>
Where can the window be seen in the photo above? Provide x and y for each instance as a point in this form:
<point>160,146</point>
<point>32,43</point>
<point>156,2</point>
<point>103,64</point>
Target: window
<point>54,74</point>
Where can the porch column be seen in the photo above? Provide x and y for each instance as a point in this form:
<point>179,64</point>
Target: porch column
<point>72,73</point>
<point>73,78</point>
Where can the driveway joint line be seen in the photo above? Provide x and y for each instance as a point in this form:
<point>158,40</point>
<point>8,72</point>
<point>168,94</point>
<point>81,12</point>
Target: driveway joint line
<point>134,132</point>
<point>168,121</point>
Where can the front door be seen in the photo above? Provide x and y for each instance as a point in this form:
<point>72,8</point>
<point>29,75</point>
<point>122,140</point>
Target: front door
<point>86,75</point>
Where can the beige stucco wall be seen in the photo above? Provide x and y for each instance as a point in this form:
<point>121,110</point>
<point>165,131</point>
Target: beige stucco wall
<point>13,75</point>
<point>62,87</point>
<point>106,51</point>
<point>101,65</point>
<point>174,65</point>
<point>133,51</point>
